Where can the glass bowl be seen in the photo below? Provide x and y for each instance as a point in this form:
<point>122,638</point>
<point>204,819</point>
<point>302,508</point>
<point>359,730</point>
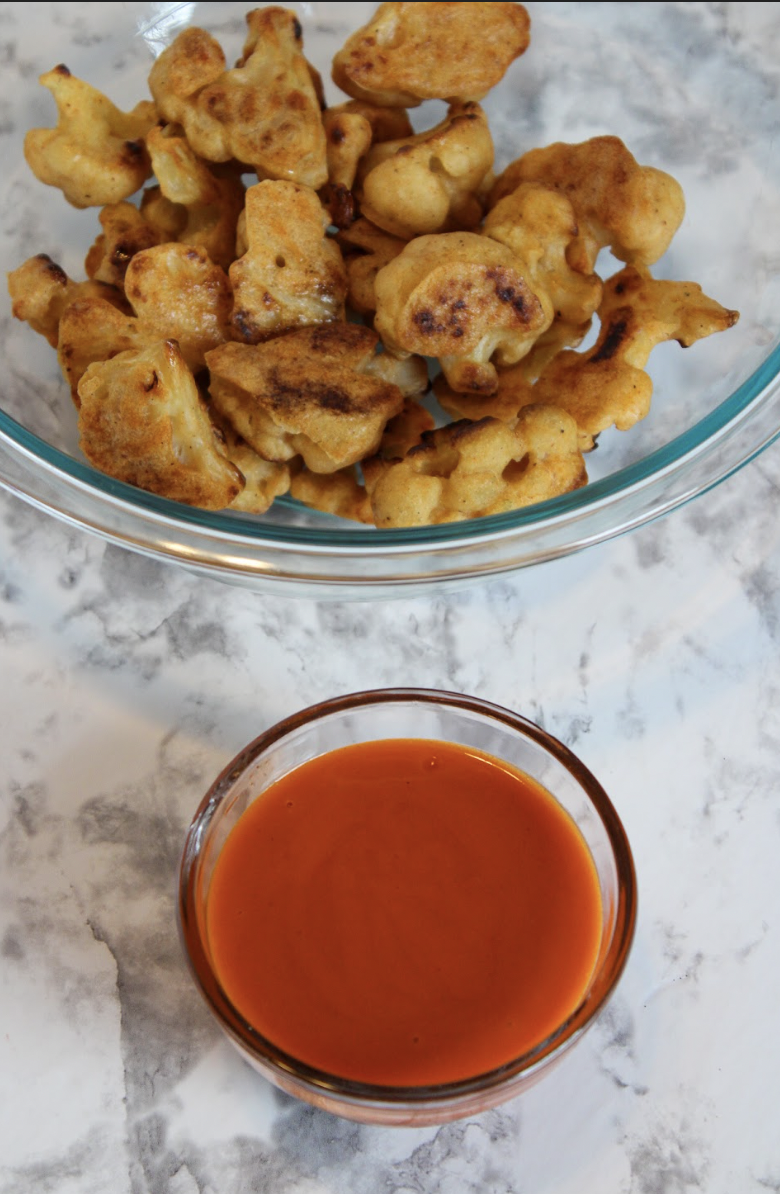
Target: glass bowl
<point>404,714</point>
<point>691,88</point>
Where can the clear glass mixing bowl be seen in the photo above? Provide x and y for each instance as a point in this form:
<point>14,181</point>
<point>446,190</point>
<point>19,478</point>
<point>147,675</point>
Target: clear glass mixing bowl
<point>691,88</point>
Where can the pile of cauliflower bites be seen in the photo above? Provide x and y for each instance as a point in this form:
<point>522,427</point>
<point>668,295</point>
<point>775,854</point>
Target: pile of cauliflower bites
<point>236,342</point>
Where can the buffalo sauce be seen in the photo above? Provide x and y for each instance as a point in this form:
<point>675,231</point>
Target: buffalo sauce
<point>404,912</point>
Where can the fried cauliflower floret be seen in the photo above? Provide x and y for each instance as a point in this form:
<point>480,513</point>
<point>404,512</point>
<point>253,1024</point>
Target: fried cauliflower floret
<point>309,393</point>
<point>463,298</point>
<point>428,182</point>
<point>141,420</point>
<point>405,430</point>
<point>366,249</point>
<point>265,112</point>
<point>168,219</point>
<point>125,233</point>
<point>514,391</point>
<point>41,292</point>
<point>339,493</point>
<point>538,224</point>
<point>264,480</point>
<point>93,330</point>
<point>412,52</point>
<point>292,274</point>
<point>607,385</point>
<point>634,209</point>
<point>211,204</point>
<point>471,470</point>
<point>350,131</point>
<point>177,292</point>
<point>95,154</point>
<point>409,374</point>
<point>515,383</point>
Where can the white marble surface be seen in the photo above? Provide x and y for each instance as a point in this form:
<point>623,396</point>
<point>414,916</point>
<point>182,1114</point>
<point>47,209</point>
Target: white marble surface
<point>128,684</point>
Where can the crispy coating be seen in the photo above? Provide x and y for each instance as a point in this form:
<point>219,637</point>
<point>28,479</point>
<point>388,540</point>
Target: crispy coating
<point>538,224</point>
<point>405,430</point>
<point>92,329</point>
<point>409,374</point>
<point>264,480</point>
<point>265,112</point>
<point>211,204</point>
<point>142,421</point>
<point>339,493</point>
<point>41,292</point>
<point>292,274</point>
<point>634,209</point>
<point>95,154</point>
<point>470,470</point>
<point>366,250</point>
<point>177,292</point>
<point>607,385</point>
<point>463,298</point>
<point>350,130</point>
<point>428,182</point>
<point>411,52</point>
<point>168,219</point>
<point>309,393</point>
<point>348,137</point>
<point>514,391</point>
<point>125,233</point>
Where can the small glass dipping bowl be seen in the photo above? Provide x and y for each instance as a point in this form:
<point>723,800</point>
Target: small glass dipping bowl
<point>438,716</point>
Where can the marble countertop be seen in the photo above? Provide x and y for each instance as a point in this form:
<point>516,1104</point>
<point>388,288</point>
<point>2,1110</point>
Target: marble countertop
<point>127,685</point>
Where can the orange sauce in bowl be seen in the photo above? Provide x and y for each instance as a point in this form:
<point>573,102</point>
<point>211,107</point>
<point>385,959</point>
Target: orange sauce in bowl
<point>404,912</point>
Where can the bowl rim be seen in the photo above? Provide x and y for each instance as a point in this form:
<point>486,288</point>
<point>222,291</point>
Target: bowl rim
<point>266,1055</point>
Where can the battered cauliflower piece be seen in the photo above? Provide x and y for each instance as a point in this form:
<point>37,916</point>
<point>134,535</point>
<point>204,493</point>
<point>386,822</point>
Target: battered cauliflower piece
<point>211,204</point>
<point>264,480</point>
<point>634,209</point>
<point>41,292</point>
<point>175,293</point>
<point>339,493</point>
<point>429,182</point>
<point>93,330</point>
<point>265,112</point>
<point>309,393</point>
<point>514,390</point>
<point>350,130</point>
<point>405,430</point>
<point>471,470</point>
<point>463,298</point>
<point>408,53</point>
<point>168,219</point>
<point>409,374</point>
<point>538,224</point>
<point>141,420</point>
<point>125,233</point>
<point>366,249</point>
<point>292,274</point>
<point>96,154</point>
<point>607,385</point>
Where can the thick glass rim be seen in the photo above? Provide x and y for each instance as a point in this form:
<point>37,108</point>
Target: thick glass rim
<point>523,1067</point>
